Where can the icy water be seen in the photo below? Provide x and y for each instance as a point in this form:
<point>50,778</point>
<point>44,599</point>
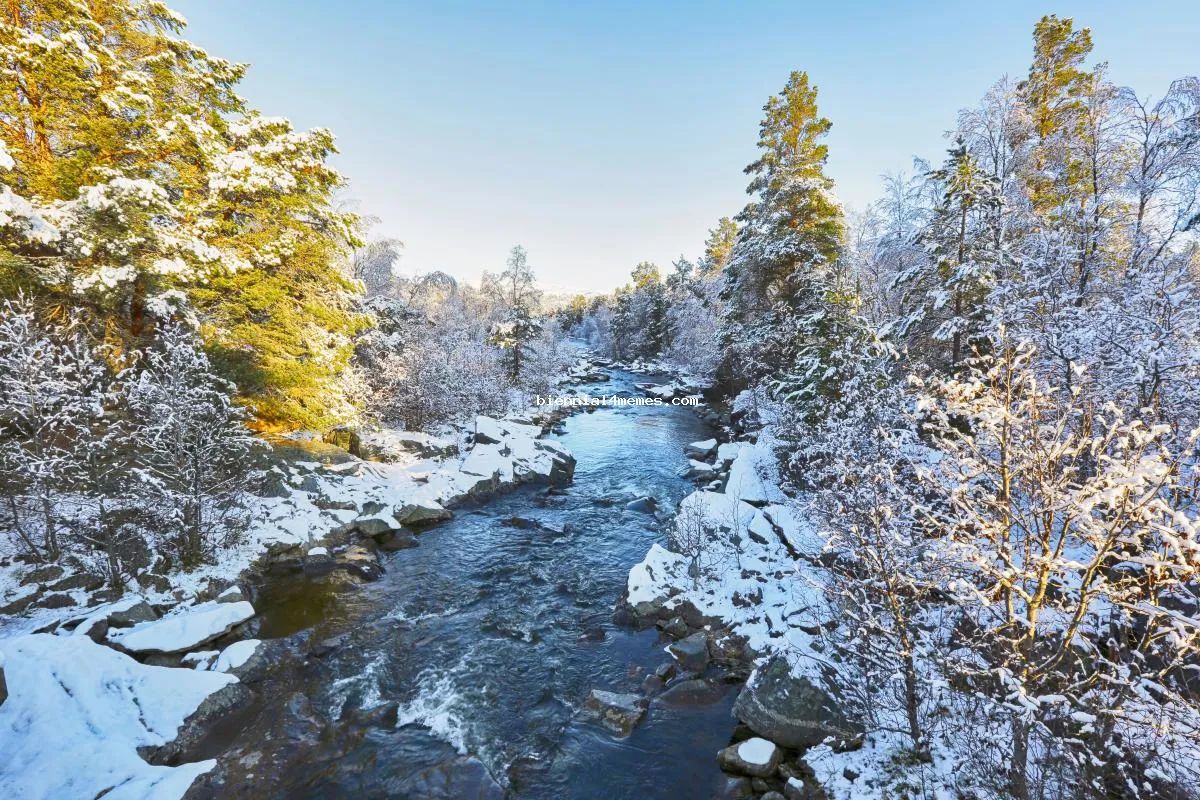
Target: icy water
<point>489,636</point>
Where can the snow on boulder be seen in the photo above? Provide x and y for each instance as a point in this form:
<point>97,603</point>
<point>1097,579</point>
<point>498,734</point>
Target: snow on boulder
<point>727,452</point>
<point>200,659</point>
<point>651,578</point>
<point>78,712</point>
<point>418,510</point>
<point>755,757</point>
<point>393,446</point>
<point>746,484</point>
<point>488,460</point>
<point>702,449</point>
<point>488,431</point>
<point>183,630</point>
<point>236,655</point>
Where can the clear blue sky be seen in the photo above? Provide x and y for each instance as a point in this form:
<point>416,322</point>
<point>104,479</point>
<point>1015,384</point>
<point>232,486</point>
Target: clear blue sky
<point>599,134</point>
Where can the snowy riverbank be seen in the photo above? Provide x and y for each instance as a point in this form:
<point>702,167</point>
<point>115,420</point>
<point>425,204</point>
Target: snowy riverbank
<point>109,678</point>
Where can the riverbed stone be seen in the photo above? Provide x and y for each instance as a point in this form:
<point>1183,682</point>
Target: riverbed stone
<point>692,652</point>
<point>462,777</point>
<point>689,692</point>
<point>790,710</point>
<point>360,561</point>
<point>755,757</point>
<point>318,562</point>
<point>702,449</point>
<point>396,540</point>
<point>643,505</point>
<point>674,627</point>
<point>618,712</point>
<point>420,513</point>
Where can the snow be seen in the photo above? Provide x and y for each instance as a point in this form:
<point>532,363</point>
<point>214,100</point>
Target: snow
<point>727,452</point>
<point>184,629</point>
<point>746,483</point>
<point>646,577</point>
<point>70,697</point>
<point>236,655</point>
<point>318,551</point>
<point>756,751</point>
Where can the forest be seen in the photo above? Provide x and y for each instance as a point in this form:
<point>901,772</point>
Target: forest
<point>981,392</point>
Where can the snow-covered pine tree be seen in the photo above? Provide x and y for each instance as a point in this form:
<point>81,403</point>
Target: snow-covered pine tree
<point>777,279</point>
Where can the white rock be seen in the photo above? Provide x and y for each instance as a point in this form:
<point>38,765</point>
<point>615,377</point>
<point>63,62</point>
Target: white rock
<point>756,751</point>
<point>185,630</point>
<point>236,655</point>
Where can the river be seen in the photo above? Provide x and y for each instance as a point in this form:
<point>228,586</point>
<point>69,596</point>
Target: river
<point>487,637</point>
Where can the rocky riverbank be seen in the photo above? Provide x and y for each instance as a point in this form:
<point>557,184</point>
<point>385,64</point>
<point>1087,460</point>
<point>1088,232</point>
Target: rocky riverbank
<point>89,663</point>
<point>746,599</point>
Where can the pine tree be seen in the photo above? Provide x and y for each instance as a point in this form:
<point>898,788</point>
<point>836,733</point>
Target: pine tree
<point>792,235</point>
<point>1054,95</point>
<point>517,292</point>
<point>143,188</point>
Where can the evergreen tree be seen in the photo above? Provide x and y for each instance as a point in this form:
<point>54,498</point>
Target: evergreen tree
<point>792,234</point>
<point>143,187</point>
<point>517,292</point>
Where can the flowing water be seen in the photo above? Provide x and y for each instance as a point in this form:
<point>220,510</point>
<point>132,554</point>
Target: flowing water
<point>489,636</point>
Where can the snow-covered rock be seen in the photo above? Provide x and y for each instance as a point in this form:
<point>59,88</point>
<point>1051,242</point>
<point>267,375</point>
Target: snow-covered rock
<point>746,484</point>
<point>398,446</point>
<point>183,630</point>
<point>755,757</point>
<point>420,511</point>
<point>618,712</point>
<point>702,449</point>
<point>200,659</point>
<point>789,709</point>
<point>488,431</point>
<point>77,713</point>
<point>236,655</point>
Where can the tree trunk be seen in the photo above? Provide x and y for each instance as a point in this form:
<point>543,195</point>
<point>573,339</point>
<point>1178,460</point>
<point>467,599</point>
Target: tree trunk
<point>1018,782</point>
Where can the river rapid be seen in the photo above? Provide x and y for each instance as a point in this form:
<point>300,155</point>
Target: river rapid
<point>477,648</point>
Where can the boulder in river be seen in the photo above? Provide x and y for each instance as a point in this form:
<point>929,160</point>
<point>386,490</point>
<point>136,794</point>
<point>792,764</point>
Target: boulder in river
<point>463,777</point>
<point>360,561</point>
<point>755,757</point>
<point>702,449</point>
<point>617,712</point>
<point>318,562</point>
<point>691,653</point>
<point>689,691</point>
<point>644,505</point>
<point>790,710</point>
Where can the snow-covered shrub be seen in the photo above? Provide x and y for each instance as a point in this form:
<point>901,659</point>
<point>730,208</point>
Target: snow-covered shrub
<point>52,396</point>
<point>1076,546</point>
<point>193,447</point>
